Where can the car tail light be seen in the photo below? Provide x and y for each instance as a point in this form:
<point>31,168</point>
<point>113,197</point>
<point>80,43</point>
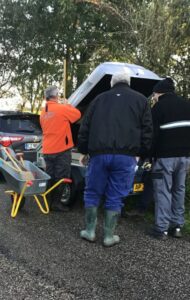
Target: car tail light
<point>6,141</point>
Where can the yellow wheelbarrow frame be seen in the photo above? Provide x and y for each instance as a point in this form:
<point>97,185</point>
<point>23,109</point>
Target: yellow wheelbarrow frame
<point>44,208</point>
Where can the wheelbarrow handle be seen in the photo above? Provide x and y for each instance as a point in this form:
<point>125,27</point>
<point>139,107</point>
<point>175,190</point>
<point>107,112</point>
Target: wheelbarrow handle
<point>11,158</point>
<point>6,163</point>
<point>20,157</point>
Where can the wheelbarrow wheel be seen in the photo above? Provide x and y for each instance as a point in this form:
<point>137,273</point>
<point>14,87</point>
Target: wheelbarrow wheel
<point>22,202</point>
<point>65,198</point>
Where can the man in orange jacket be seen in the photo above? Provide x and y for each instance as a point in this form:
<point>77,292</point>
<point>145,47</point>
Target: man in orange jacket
<point>55,121</point>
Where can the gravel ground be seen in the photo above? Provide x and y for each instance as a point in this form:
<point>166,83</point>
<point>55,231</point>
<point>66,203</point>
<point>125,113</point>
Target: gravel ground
<point>43,257</point>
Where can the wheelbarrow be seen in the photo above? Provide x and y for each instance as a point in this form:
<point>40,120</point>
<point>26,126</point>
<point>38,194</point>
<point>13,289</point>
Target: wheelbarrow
<point>26,179</point>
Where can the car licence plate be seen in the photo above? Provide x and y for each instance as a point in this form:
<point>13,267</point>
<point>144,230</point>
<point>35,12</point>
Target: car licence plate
<point>138,187</point>
<point>31,146</point>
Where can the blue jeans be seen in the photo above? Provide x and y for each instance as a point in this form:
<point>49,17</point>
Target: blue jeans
<point>109,175</point>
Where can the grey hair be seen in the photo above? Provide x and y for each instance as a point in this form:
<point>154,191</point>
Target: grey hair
<point>120,77</point>
<point>51,91</point>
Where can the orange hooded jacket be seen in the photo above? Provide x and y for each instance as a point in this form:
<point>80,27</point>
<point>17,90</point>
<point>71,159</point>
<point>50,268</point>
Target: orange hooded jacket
<point>55,121</point>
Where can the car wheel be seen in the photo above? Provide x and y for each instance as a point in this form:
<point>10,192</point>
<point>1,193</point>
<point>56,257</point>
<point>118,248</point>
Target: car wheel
<point>22,202</point>
<point>69,194</point>
<point>65,199</point>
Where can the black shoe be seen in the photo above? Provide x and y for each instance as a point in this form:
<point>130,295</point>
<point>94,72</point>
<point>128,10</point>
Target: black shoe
<point>160,235</point>
<point>175,232</point>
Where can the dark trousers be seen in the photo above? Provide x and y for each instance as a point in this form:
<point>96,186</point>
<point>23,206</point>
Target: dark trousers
<point>58,166</point>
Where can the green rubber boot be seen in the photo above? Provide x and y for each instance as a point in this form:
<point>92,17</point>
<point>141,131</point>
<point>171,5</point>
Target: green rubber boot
<point>91,221</point>
<point>110,223</point>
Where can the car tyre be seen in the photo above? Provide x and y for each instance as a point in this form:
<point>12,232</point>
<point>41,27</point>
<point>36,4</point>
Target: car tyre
<point>69,194</point>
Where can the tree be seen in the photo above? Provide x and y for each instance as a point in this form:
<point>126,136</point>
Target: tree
<point>42,34</point>
<point>36,36</point>
<point>155,34</point>
<point>29,33</point>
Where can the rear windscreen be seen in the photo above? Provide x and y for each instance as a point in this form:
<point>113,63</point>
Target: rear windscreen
<point>20,124</point>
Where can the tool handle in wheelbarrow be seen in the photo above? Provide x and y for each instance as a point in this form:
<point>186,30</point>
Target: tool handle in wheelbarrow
<point>11,159</point>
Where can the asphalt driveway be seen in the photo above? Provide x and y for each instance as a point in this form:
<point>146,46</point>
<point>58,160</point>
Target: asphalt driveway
<point>43,257</point>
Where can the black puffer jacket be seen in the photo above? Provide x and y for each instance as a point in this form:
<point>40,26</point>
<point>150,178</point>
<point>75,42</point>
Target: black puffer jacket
<point>117,122</point>
<point>171,119</point>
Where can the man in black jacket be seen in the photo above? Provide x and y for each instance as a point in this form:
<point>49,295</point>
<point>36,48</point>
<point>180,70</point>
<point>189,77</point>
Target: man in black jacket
<point>171,151</point>
<point>116,129</point>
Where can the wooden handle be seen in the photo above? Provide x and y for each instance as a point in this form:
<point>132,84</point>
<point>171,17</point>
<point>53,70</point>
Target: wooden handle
<point>20,157</point>
<point>22,161</point>
<point>13,161</point>
<point>6,163</point>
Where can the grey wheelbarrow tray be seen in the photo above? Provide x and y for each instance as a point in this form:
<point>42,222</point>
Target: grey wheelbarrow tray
<point>16,182</point>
